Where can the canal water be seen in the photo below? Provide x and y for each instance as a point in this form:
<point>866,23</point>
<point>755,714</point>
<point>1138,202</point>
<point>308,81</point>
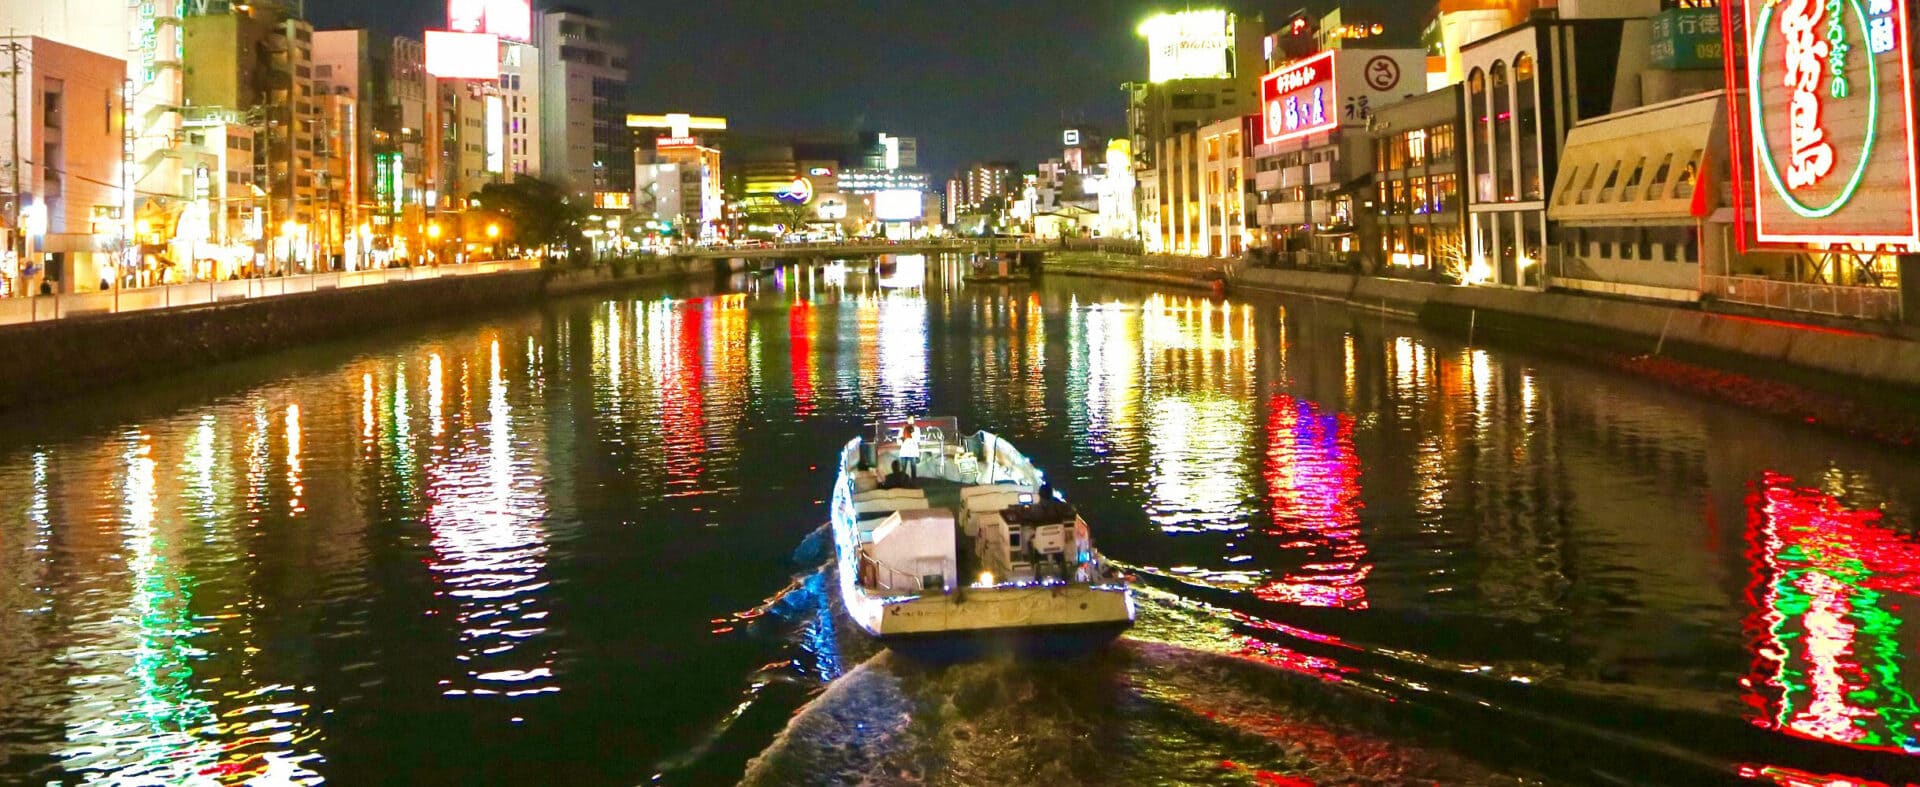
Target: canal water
<point>580,544</point>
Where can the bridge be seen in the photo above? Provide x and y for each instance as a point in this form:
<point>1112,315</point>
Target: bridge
<point>832,250</point>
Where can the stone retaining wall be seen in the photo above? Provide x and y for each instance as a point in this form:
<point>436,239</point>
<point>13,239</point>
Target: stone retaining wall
<point>1612,323</point>
<point>61,358</point>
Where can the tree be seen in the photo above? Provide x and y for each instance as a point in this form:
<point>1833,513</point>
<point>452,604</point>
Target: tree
<point>795,217</point>
<point>537,213</point>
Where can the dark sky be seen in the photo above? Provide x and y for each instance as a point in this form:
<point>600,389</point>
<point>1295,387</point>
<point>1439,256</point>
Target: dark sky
<point>972,79</point>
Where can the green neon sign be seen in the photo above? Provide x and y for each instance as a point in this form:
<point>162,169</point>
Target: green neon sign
<point>1764,148</point>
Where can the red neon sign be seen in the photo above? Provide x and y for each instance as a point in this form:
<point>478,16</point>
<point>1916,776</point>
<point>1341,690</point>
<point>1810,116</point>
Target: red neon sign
<point>1300,99</point>
<point>1829,107</point>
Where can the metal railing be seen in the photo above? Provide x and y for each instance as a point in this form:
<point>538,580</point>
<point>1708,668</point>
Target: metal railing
<point>43,308</point>
<point>1863,303</point>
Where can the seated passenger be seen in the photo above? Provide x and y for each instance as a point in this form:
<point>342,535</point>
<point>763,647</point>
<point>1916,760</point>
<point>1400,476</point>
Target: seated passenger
<point>1044,510</point>
<point>898,479</point>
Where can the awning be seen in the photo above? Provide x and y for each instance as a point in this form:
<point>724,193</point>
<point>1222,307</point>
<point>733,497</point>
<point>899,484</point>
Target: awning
<point>1649,166</point>
<point>76,243</point>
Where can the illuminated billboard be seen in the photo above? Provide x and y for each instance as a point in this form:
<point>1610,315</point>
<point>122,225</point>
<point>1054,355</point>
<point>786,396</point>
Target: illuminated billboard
<point>1336,88</point>
<point>463,55</point>
<point>1830,108</point>
<point>799,192</point>
<point>1189,45</point>
<point>508,19</point>
<point>1300,99</point>
<point>496,134</point>
<point>898,205</point>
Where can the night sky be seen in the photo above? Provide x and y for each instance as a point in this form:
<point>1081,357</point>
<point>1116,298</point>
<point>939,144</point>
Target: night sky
<point>972,79</point>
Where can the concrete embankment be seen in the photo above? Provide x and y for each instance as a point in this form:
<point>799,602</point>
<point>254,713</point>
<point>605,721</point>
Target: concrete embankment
<point>1575,321</point>
<point>49,360</point>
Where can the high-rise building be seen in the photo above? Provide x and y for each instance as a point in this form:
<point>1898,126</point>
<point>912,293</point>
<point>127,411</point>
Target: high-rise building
<point>583,84</point>
<point>987,182</point>
<point>1205,67</point>
<point>343,78</point>
<point>398,128</point>
<point>257,59</point>
<point>520,107</point>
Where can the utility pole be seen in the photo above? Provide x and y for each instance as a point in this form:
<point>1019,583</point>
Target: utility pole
<point>15,233</point>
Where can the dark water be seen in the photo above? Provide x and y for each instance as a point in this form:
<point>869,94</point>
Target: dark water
<point>577,545</point>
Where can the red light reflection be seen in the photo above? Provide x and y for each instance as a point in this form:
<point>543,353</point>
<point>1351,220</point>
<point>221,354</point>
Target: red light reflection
<point>801,323</point>
<point>1313,482</point>
<point>1828,588</point>
<point>684,404</point>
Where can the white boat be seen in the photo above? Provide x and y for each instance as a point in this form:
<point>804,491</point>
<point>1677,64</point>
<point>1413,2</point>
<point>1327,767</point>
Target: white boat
<point>977,556</point>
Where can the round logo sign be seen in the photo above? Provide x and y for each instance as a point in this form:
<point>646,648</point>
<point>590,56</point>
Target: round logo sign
<point>1820,99</point>
<point>1382,73</point>
<point>799,192</point>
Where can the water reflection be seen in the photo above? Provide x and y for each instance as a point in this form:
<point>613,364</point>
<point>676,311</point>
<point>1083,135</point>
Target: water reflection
<point>495,548</point>
<point>1830,584</point>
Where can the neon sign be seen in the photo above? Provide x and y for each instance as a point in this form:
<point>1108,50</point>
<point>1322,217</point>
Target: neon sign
<point>1294,99</point>
<point>799,192</point>
<point>1830,106</point>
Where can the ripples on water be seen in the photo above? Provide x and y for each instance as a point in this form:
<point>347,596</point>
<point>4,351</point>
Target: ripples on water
<point>574,545</point>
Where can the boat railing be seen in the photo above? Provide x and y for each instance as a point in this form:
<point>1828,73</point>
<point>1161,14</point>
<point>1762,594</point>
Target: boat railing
<point>873,572</point>
<point>1003,462</point>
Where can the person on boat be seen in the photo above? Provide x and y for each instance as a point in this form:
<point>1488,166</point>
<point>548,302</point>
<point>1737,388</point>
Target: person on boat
<point>910,450</point>
<point>898,479</point>
<point>1049,508</point>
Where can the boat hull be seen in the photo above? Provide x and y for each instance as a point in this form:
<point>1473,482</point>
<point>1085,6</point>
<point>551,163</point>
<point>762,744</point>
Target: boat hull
<point>1048,642</point>
<point>1055,621</point>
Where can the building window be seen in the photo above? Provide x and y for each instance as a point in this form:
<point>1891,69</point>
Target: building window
<point>50,106</point>
<point>1502,132</point>
<point>1417,147</point>
<point>1633,182</point>
<point>1525,121</point>
<point>1689,172</point>
<point>1658,189</point>
<point>1440,144</point>
<point>1613,179</point>
<point>1445,192</point>
<point>1482,137</point>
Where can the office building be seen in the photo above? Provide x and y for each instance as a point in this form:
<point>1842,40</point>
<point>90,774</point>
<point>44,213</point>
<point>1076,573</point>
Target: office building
<point>584,141</point>
<point>1204,67</point>
<point>1418,222</point>
<point>257,59</point>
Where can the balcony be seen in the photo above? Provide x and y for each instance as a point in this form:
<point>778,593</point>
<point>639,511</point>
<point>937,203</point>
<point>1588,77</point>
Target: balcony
<point>1267,181</point>
<point>1291,213</point>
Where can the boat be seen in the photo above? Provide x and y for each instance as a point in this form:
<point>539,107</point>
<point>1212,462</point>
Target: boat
<point>978,556</point>
<point>994,268</point>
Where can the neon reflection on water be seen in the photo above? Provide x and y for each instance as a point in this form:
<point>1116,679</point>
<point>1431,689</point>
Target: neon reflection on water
<point>1199,372</point>
<point>1313,481</point>
<point>490,554</point>
<point>1828,586</point>
<point>801,323</point>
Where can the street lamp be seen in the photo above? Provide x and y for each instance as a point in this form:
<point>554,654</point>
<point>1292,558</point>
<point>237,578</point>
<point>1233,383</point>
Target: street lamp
<point>289,230</point>
<point>433,236</point>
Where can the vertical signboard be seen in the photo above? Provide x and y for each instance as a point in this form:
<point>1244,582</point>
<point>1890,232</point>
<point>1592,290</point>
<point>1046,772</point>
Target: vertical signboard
<point>1829,117</point>
<point>496,134</point>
